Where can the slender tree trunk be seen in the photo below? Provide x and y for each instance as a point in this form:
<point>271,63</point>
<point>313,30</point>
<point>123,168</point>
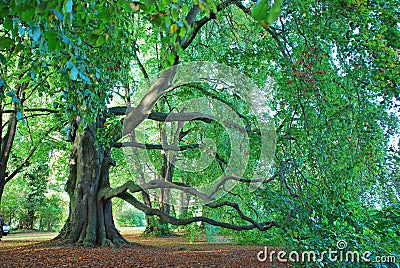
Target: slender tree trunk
<point>5,149</point>
<point>90,221</point>
<point>30,217</point>
<point>2,184</point>
<point>155,226</point>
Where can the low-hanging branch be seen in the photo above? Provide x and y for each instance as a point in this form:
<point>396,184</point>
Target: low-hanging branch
<point>236,207</point>
<point>262,226</point>
<point>160,184</point>
<point>108,193</point>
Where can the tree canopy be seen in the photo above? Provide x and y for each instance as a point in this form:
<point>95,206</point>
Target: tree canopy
<point>198,90</point>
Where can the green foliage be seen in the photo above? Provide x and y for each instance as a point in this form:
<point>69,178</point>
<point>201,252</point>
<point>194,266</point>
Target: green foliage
<point>255,237</point>
<point>262,13</point>
<point>336,82</point>
<point>193,232</point>
<point>51,215</point>
<point>106,135</point>
<point>130,218</point>
<point>156,228</point>
<point>27,203</point>
<point>260,10</point>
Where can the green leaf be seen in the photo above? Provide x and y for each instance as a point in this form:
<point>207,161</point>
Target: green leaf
<point>260,10</point>
<point>97,32</point>
<point>19,115</point>
<point>171,58</point>
<point>70,64</point>
<point>27,15</point>
<point>275,12</point>
<point>185,9</point>
<point>6,43</point>
<point>52,42</point>
<point>175,14</point>
<point>4,9</point>
<point>68,6</point>
<point>14,99</point>
<point>182,32</point>
<point>100,41</point>
<point>8,23</point>
<point>74,73</point>
<point>50,35</point>
<point>37,34</point>
<point>41,8</point>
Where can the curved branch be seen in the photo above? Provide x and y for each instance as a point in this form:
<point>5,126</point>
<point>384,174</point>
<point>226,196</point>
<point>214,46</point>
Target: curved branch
<point>263,226</point>
<point>142,111</point>
<point>148,146</point>
<point>108,192</point>
<point>239,179</point>
<point>238,210</point>
<point>216,97</point>
<point>279,173</point>
<point>165,117</point>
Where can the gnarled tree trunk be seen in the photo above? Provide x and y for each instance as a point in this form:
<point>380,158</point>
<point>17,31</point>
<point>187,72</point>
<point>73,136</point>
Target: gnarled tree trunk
<point>90,221</point>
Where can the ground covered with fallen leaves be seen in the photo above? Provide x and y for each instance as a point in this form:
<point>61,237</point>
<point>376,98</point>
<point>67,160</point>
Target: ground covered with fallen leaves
<point>31,250</point>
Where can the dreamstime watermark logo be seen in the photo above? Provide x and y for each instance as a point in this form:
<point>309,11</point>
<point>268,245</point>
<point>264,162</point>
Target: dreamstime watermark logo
<point>339,254</point>
<point>209,93</point>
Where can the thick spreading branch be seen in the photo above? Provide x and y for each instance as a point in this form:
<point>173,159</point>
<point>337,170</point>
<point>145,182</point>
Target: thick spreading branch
<point>165,117</point>
<point>180,117</point>
<point>7,141</point>
<point>165,147</point>
<point>263,226</point>
<point>156,91</point>
<point>108,193</point>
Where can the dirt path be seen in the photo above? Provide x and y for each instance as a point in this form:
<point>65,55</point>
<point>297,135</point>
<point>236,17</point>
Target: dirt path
<point>25,250</point>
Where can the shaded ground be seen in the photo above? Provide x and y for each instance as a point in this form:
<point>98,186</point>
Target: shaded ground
<point>28,250</point>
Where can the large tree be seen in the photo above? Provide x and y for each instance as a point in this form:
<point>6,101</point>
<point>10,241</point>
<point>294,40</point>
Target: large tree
<point>90,221</point>
<point>335,69</point>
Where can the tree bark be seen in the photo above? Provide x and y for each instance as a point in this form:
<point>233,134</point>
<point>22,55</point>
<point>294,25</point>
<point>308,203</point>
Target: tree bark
<point>90,221</point>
